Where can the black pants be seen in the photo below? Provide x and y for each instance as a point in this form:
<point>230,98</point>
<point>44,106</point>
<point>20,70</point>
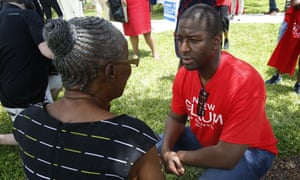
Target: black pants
<point>47,4</point>
<point>223,12</point>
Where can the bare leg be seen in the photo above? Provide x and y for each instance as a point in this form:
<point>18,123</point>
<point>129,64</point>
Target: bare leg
<point>149,40</point>
<point>135,44</point>
<point>7,139</point>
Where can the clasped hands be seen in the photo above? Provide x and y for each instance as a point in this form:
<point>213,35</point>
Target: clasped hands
<point>173,163</point>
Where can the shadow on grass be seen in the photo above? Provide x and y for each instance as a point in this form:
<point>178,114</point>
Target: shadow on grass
<point>283,112</point>
<point>168,78</point>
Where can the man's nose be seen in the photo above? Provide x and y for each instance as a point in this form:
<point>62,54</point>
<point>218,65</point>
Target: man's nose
<point>185,46</point>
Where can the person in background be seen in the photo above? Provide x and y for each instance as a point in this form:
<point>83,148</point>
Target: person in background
<point>223,98</point>
<point>72,8</point>
<point>277,78</point>
<point>101,8</point>
<point>237,8</point>
<point>139,16</point>
<point>273,9</point>
<point>77,137</point>
<point>286,54</point>
<point>222,7</point>
<point>24,59</point>
<point>47,5</point>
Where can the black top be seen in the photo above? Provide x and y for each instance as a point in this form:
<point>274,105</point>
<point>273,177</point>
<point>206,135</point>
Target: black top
<point>23,69</point>
<point>97,150</point>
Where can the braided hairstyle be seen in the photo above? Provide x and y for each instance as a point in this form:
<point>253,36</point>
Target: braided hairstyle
<point>82,46</point>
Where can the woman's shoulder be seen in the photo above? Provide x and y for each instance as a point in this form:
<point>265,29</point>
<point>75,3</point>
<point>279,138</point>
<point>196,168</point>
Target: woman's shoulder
<point>134,126</point>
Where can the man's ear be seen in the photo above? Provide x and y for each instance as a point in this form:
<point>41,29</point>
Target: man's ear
<point>217,41</point>
<point>110,71</point>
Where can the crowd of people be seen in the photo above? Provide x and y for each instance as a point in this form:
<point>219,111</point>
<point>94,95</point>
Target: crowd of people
<point>217,119</point>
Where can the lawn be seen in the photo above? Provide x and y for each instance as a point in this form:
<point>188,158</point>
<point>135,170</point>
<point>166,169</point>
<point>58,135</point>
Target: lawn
<point>148,92</point>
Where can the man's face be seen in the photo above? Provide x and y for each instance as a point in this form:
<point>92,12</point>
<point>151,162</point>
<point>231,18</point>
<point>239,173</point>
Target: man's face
<point>196,46</point>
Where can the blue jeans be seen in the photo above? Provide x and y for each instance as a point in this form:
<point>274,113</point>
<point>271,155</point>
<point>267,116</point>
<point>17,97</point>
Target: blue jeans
<point>272,5</point>
<point>253,165</point>
<point>282,30</point>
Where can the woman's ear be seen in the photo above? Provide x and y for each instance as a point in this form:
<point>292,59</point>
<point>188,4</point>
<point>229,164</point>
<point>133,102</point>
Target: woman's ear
<point>110,71</point>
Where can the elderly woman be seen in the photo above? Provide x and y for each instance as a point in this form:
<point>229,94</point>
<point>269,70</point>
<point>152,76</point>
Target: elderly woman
<point>77,137</point>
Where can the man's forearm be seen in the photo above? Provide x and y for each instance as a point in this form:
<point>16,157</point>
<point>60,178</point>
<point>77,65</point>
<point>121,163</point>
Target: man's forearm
<point>173,130</point>
<point>223,155</point>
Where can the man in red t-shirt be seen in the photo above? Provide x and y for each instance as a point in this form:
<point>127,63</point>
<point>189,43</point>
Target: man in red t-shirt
<point>224,99</point>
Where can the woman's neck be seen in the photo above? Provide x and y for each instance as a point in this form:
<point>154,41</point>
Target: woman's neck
<point>72,95</point>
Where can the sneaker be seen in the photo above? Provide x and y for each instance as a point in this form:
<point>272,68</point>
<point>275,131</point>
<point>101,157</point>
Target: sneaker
<point>226,44</point>
<point>297,88</point>
<point>274,79</point>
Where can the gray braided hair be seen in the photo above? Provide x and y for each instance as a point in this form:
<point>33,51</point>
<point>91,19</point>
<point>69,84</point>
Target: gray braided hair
<point>81,46</point>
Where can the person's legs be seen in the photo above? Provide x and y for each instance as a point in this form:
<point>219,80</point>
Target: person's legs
<point>55,6</point>
<point>38,8</point>
<point>282,29</point>
<point>297,85</point>
<point>253,165</point>
<point>273,6</point>
<point>226,41</point>
<point>233,7</point>
<point>150,42</point>
<point>135,44</point>
<point>98,7</point>
<point>105,9</point>
<point>187,141</point>
<point>46,8</point>
<point>225,21</point>
<point>241,7</point>
<point>275,79</point>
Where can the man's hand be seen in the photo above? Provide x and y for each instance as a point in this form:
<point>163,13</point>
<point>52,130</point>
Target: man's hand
<point>172,163</point>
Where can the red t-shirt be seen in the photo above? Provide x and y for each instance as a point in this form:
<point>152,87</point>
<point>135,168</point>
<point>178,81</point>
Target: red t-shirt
<point>235,108</point>
<point>288,13</point>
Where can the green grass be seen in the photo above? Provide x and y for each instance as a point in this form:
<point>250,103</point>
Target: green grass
<point>261,6</point>
<point>148,92</point>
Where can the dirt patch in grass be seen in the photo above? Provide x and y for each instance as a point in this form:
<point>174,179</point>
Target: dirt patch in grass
<point>284,168</point>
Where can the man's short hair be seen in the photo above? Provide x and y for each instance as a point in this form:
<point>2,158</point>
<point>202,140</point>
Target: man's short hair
<point>206,15</point>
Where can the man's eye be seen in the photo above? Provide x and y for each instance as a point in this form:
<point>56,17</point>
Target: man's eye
<point>179,39</point>
<point>194,40</point>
